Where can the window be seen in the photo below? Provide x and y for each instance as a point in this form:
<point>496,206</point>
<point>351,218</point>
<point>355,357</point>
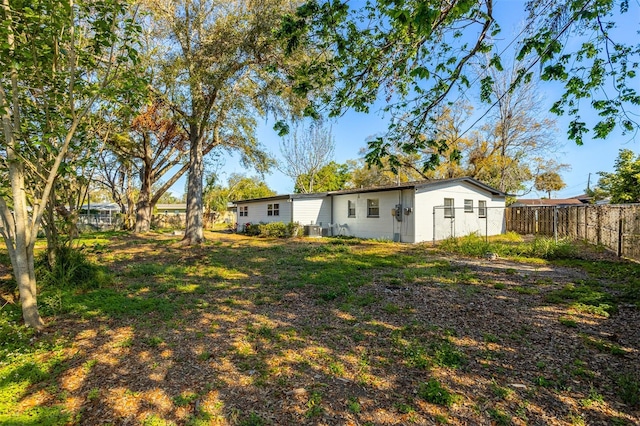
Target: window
<point>449,209</point>
<point>352,208</point>
<point>244,211</point>
<point>373,208</point>
<point>468,206</point>
<point>482,208</point>
<point>273,209</point>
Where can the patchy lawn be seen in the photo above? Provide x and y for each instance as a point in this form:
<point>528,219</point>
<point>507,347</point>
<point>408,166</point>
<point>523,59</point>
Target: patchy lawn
<point>247,331</point>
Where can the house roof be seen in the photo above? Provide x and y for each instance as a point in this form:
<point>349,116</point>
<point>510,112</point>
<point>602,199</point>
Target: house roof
<point>405,185</point>
<point>547,202</point>
<point>178,206</point>
<point>102,207</point>
<point>421,184</point>
<point>285,197</point>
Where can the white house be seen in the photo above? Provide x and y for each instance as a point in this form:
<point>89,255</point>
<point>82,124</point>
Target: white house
<point>410,212</point>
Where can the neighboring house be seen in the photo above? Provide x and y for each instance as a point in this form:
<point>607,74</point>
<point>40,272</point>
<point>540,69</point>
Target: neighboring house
<point>168,209</point>
<point>409,212</point>
<point>306,209</point>
<point>99,214</point>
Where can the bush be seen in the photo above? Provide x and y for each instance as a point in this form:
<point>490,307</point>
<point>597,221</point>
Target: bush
<point>252,229</point>
<point>273,229</point>
<point>70,269</point>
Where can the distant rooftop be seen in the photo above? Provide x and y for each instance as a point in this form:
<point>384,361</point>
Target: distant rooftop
<point>523,202</point>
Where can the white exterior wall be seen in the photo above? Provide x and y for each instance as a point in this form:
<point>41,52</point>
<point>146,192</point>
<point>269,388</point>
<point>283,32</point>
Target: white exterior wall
<point>382,227</point>
<point>258,212</point>
<point>312,211</point>
<point>462,223</point>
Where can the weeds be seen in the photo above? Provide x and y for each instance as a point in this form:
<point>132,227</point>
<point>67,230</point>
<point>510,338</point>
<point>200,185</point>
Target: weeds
<point>477,246</point>
<point>252,420</point>
<point>568,322</point>
<point>629,389</point>
<point>314,405</point>
<point>499,417</point>
<point>353,405</point>
<point>433,392</point>
<point>71,268</point>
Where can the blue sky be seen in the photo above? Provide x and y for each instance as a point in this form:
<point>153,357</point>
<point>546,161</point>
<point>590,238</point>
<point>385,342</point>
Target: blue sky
<point>352,129</point>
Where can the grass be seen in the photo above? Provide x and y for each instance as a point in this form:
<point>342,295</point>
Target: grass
<point>256,331</point>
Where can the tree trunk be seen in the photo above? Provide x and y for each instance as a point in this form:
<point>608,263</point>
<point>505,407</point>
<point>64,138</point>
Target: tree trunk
<point>194,233</point>
<point>129,220</point>
<point>143,207</point>
<point>22,261</point>
<point>50,230</point>
<point>143,216</point>
<point>24,272</point>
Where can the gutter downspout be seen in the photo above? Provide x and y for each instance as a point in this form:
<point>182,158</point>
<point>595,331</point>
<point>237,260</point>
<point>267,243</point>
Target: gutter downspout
<point>291,201</point>
<point>331,228</point>
<point>434,225</point>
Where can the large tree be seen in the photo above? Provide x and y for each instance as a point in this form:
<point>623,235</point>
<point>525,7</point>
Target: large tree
<point>330,177</point>
<point>220,67</point>
<point>306,151</point>
<point>59,60</point>
<point>518,139</point>
<point>548,182</point>
<point>414,53</point>
<point>238,187</point>
<point>157,144</point>
<point>623,184</point>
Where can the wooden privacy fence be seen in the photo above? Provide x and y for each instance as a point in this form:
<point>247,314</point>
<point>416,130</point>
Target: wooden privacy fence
<point>616,227</point>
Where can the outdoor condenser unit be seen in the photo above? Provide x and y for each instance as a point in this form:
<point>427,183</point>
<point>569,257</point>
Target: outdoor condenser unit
<point>312,231</point>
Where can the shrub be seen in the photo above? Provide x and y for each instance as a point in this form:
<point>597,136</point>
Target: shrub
<point>71,268</point>
<point>252,229</point>
<point>273,229</point>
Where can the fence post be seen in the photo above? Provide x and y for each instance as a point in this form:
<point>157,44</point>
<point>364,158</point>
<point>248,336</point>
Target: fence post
<point>620,232</point>
<point>586,223</point>
<point>486,224</point>
<point>598,225</point>
<point>555,223</point>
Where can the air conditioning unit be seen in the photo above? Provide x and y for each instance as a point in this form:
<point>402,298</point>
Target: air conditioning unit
<point>312,231</point>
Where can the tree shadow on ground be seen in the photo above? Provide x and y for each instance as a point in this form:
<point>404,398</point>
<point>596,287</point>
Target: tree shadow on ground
<point>246,331</point>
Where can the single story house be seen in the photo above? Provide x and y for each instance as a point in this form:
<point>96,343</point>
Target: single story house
<point>409,212</point>
<point>167,209</point>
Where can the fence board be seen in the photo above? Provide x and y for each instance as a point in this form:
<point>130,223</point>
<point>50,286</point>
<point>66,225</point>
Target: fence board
<point>616,227</point>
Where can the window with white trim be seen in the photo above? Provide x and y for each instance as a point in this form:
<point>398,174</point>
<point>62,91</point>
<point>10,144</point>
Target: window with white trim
<point>449,208</point>
<point>468,206</point>
<point>244,211</point>
<point>352,208</point>
<point>273,209</point>
<point>482,208</point>
<point>373,207</point>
